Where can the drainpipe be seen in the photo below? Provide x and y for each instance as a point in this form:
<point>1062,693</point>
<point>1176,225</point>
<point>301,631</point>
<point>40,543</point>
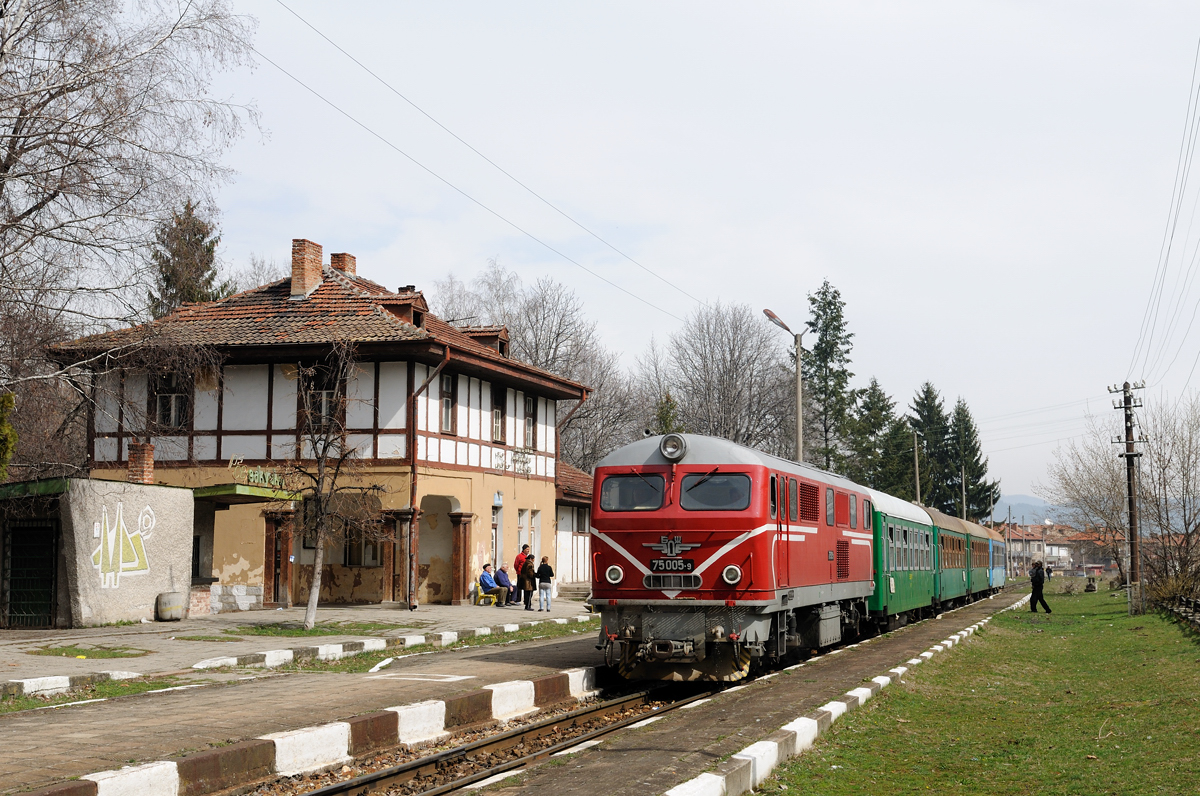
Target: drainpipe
<point>412,489</point>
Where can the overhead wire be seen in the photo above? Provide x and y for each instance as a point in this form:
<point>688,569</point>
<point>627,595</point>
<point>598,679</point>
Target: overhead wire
<point>460,191</point>
<point>488,160</point>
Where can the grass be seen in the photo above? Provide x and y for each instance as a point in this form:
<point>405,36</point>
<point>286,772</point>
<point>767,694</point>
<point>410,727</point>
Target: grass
<point>297,629</point>
<point>209,638</point>
<point>1087,701</point>
<point>106,690</point>
<point>364,661</point>
<point>75,651</point>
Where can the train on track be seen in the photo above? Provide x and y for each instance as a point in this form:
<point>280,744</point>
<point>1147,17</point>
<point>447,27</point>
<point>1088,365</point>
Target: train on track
<point>710,558</point>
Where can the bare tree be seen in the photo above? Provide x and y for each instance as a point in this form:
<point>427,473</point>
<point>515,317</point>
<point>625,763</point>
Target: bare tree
<point>1169,505</point>
<point>1086,481</point>
<point>258,272</point>
<point>108,124</point>
<point>336,502</point>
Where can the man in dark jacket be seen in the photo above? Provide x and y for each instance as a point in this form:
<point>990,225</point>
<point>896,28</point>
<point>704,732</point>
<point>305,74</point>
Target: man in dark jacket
<point>502,579</point>
<point>1037,577</point>
<point>487,585</point>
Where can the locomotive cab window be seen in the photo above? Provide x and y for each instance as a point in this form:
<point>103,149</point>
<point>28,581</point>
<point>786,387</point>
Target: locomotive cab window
<point>638,492</point>
<point>829,515</point>
<point>793,500</point>
<point>723,492</point>
<point>774,499</point>
<point>853,511</point>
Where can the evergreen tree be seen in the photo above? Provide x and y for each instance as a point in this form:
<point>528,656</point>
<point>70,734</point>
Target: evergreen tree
<point>872,417</point>
<point>666,416</point>
<point>964,445</point>
<point>928,417</point>
<point>8,434</point>
<point>825,373</point>
<point>896,470</point>
<point>184,257</point>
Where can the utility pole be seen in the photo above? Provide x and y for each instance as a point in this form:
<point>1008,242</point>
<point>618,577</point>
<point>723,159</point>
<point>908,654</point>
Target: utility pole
<point>964,492</point>
<point>1128,403</point>
<point>1008,544</point>
<point>917,464</point>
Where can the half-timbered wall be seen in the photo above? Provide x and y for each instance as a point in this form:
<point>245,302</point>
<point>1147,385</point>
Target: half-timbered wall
<point>250,412</point>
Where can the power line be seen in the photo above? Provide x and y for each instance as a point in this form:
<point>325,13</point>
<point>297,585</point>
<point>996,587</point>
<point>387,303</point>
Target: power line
<point>460,191</point>
<point>488,160</point>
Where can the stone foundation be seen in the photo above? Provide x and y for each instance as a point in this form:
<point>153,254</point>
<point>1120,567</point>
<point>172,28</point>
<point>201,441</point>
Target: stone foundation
<point>235,598</point>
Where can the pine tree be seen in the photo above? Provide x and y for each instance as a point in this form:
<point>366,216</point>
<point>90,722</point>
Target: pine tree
<point>8,434</point>
<point>872,416</point>
<point>666,416</point>
<point>964,445</point>
<point>896,472</point>
<point>928,417</point>
<point>826,376</point>
<point>184,257</point>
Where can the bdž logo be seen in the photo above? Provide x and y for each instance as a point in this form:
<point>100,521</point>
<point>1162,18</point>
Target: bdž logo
<point>671,548</point>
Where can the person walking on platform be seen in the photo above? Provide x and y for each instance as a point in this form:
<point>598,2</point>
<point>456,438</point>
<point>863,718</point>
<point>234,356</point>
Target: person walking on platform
<point>1037,577</point>
<point>487,585</point>
<point>527,581</point>
<point>518,566</point>
<point>545,576</point>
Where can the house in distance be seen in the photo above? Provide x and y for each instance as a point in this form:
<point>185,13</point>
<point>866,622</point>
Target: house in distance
<point>461,437</point>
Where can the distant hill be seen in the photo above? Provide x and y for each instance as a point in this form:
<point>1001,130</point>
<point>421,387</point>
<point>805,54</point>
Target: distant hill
<point>1026,509</point>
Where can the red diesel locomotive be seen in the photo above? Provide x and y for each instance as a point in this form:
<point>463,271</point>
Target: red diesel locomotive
<point>708,555</point>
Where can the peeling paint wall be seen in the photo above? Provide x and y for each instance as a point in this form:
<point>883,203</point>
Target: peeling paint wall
<point>435,548</point>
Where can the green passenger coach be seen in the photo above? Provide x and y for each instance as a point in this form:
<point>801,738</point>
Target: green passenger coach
<point>905,562</point>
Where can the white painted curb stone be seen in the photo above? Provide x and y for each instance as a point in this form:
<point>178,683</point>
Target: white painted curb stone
<point>422,722</point>
<point>311,749</point>
<point>509,628</point>
<point>215,663</point>
<point>445,638</point>
<point>836,709</point>
<point>806,730</point>
<point>150,779</point>
<point>884,682</point>
<point>582,682</point>
<point>704,785</point>
<point>863,695</point>
<point>45,685</point>
<point>329,652</point>
<point>412,641</point>
<point>512,699</point>
<point>374,645</point>
<point>762,756</point>
<point>278,658</point>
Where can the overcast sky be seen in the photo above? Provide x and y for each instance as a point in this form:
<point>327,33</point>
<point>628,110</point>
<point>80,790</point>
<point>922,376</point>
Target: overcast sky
<point>987,184</point>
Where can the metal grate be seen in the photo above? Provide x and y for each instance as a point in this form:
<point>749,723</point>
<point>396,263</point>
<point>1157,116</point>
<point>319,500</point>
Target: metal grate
<point>843,560</point>
<point>671,581</point>
<point>810,503</point>
<point>29,584</point>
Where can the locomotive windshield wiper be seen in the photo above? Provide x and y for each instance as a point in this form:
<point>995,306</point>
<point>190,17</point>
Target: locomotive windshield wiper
<point>705,478</point>
<point>652,486</point>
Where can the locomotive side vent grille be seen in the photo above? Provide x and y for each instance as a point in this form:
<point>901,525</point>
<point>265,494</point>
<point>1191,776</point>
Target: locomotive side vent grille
<point>671,581</point>
<point>810,503</point>
<point>843,560</point>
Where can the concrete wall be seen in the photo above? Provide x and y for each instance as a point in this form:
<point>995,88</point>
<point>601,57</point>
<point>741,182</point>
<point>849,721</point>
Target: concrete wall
<point>123,545</point>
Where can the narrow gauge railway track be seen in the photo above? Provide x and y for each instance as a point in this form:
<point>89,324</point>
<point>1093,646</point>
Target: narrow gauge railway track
<point>449,771</point>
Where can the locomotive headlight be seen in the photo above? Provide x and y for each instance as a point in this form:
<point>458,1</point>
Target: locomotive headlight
<point>614,574</point>
<point>732,574</point>
<point>673,447</point>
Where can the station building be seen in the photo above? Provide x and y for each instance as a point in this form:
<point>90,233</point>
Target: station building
<point>462,437</point>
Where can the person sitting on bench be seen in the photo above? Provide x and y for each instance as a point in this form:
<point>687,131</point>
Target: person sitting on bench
<point>502,579</point>
<point>487,585</point>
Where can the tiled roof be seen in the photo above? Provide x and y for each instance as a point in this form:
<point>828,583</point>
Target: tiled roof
<point>573,480</point>
<point>342,308</point>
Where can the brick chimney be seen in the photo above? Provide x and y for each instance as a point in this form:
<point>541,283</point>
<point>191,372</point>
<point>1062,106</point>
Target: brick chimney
<point>343,262</point>
<point>306,267</point>
<point>141,463</point>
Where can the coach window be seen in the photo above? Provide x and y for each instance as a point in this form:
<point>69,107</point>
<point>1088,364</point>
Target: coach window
<point>793,500</point>
<point>906,552</point>
<point>637,492</point>
<point>829,515</point>
<point>891,547</point>
<point>712,492</point>
<point>774,499</point>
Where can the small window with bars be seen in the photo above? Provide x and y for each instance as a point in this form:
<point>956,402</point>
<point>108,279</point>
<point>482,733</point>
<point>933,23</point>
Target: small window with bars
<point>499,407</point>
<point>170,402</point>
<point>530,421</point>
<point>449,400</point>
<point>321,396</point>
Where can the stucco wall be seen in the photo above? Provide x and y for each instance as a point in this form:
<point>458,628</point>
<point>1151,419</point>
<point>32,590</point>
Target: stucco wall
<point>124,544</point>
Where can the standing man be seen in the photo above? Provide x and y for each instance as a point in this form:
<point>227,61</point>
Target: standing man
<point>1037,577</point>
<point>517,565</point>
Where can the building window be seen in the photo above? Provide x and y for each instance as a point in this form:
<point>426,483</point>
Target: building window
<point>499,405</point>
<point>321,398</point>
<point>449,404</point>
<point>530,421</point>
<point>170,402</point>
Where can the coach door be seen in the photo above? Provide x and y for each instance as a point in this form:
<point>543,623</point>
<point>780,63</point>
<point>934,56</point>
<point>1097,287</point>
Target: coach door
<point>779,517</point>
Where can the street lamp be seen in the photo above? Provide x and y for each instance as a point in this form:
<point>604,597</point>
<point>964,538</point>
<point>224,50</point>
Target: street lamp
<point>799,384</point>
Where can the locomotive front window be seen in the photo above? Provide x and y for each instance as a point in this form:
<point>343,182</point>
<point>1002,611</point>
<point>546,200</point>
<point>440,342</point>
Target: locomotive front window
<point>639,492</point>
<point>724,492</point>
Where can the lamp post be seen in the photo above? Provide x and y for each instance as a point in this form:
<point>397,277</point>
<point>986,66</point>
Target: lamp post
<point>799,384</point>
<point>917,463</point>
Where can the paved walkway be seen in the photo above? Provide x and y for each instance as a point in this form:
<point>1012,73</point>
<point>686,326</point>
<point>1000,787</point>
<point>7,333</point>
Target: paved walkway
<point>47,746</point>
<point>168,653</point>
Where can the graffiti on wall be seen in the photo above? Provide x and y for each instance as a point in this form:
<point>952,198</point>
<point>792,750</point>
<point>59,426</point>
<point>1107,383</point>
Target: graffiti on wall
<point>121,550</point>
